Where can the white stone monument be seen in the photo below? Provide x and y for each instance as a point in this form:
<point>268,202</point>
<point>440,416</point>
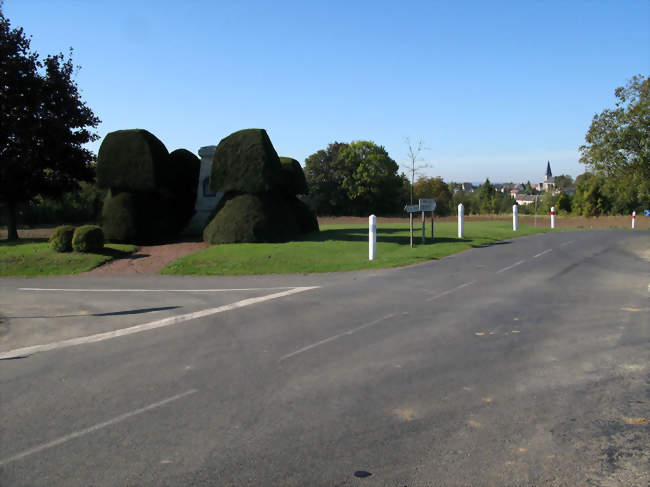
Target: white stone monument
<point>206,198</point>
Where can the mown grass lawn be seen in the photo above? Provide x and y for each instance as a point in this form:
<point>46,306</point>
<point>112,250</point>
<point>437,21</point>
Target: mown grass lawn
<point>34,257</point>
<point>343,248</point>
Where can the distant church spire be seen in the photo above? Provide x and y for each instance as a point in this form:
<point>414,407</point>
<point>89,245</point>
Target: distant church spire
<point>548,170</point>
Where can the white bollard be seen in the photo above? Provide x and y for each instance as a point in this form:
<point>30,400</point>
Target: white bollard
<point>552,216</point>
<point>633,220</point>
<point>515,218</point>
<point>372,237</point>
<point>461,220</point>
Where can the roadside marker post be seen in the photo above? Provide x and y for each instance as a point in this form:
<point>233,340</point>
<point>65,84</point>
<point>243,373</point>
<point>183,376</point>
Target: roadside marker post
<point>633,220</point>
<point>515,218</point>
<point>552,216</point>
<point>461,220</point>
<point>372,237</point>
<point>424,239</point>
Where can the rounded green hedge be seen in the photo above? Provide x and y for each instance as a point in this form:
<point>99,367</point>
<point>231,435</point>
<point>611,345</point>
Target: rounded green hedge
<point>186,167</point>
<point>252,218</point>
<point>245,162</point>
<point>293,177</point>
<point>61,238</point>
<point>134,160</point>
<point>118,217</point>
<point>88,239</point>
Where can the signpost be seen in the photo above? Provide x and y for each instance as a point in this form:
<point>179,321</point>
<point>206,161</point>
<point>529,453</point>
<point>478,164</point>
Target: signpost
<point>425,204</point>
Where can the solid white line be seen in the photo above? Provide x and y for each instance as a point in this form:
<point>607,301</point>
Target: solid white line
<point>153,290</point>
<point>450,291</point>
<point>567,243</point>
<point>510,266</point>
<point>542,253</point>
<point>99,426</point>
<point>172,320</point>
<point>332,338</point>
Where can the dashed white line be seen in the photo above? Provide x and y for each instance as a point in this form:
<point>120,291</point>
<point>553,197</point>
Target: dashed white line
<point>542,253</point>
<point>332,338</point>
<point>172,320</point>
<point>152,290</point>
<point>510,266</point>
<point>567,243</point>
<point>450,291</point>
<point>91,429</point>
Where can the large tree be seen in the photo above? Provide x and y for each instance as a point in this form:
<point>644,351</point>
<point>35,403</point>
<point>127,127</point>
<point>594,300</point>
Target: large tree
<point>372,183</point>
<point>325,174</point>
<point>437,189</point>
<point>43,125</point>
<point>618,140</point>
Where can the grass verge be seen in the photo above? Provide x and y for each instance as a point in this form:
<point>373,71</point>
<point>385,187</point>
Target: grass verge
<point>343,248</point>
<point>34,257</point>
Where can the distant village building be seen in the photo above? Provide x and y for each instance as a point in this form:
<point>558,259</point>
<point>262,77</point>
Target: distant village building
<point>549,181</point>
<point>468,187</point>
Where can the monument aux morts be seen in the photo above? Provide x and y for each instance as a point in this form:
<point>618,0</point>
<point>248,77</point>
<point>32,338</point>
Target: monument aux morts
<point>239,191</point>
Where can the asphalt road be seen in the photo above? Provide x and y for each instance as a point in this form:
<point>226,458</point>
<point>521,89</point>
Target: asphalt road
<point>523,363</point>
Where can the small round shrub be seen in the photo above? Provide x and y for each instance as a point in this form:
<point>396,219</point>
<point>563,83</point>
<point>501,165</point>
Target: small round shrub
<point>88,239</point>
<point>61,238</point>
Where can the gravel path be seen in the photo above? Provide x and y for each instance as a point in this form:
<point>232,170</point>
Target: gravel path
<point>147,259</point>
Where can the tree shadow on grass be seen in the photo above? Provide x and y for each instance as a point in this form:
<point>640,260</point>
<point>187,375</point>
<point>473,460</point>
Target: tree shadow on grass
<point>360,234</point>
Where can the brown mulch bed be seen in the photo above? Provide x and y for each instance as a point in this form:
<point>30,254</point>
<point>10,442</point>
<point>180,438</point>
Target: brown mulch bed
<point>148,259</point>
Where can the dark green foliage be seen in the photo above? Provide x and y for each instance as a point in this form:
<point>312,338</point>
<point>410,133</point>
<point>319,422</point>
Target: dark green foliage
<point>304,215</point>
<point>61,238</point>
<point>185,168</point>
<point>245,162</point>
<point>252,218</point>
<point>133,160</point>
<point>138,217</point>
<point>44,125</point>
<point>293,178</point>
<point>88,239</point>
<point>118,217</point>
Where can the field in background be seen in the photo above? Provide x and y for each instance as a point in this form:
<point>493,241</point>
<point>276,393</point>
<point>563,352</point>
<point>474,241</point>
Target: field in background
<point>618,221</point>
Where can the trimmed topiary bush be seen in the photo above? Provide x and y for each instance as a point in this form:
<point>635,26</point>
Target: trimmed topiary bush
<point>88,239</point>
<point>252,218</point>
<point>293,177</point>
<point>304,215</point>
<point>133,159</point>
<point>185,166</point>
<point>118,217</point>
<point>61,238</point>
<point>245,162</point>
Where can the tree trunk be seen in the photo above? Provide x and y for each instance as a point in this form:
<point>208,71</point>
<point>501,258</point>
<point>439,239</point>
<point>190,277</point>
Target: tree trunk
<point>12,231</point>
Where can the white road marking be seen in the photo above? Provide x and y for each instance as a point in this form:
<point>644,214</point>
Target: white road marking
<point>99,426</point>
<point>332,338</point>
<point>450,291</point>
<point>542,253</point>
<point>153,290</point>
<point>510,266</point>
<point>567,243</point>
<point>172,320</point>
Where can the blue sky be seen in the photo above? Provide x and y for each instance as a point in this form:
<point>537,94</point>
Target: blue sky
<point>495,89</point>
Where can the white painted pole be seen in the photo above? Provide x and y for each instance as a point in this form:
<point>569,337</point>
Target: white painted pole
<point>515,218</point>
<point>552,216</point>
<point>461,220</point>
<point>372,237</point>
<point>633,220</point>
